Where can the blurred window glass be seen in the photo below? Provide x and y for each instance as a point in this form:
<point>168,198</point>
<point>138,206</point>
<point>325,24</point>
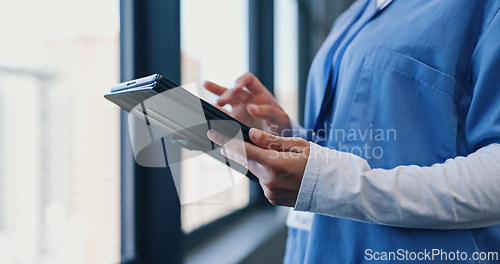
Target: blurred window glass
<point>59,138</point>
<point>286,56</point>
<point>214,46</point>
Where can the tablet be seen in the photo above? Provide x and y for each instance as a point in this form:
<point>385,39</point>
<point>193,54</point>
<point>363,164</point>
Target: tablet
<point>165,113</point>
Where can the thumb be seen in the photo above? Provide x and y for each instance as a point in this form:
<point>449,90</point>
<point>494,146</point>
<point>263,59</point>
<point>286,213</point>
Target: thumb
<point>281,144</point>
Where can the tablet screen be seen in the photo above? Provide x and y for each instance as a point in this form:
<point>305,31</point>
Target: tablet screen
<point>163,118</point>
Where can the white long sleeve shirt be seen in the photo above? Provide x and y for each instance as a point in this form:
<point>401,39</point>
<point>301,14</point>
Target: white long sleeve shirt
<point>460,193</point>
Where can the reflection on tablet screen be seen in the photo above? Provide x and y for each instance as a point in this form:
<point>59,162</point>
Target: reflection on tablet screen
<point>168,120</point>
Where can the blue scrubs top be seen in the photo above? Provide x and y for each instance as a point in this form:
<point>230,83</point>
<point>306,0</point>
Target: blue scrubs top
<point>428,69</point>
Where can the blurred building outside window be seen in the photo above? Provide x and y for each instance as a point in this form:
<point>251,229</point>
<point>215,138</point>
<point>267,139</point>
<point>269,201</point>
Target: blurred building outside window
<point>214,46</point>
<point>59,138</point>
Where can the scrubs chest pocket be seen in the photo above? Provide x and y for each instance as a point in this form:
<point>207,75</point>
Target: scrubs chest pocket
<point>411,103</point>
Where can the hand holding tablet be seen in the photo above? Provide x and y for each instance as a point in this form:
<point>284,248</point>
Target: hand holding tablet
<point>171,114</point>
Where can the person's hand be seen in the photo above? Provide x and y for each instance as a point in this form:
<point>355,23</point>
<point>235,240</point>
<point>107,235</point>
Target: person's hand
<point>255,107</point>
<point>278,162</point>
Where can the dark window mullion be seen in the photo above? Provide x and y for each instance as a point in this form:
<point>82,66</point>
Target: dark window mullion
<point>261,60</point>
<point>150,43</point>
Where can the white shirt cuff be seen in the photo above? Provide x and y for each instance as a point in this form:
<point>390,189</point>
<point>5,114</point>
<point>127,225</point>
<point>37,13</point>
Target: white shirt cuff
<point>311,173</point>
<point>459,193</point>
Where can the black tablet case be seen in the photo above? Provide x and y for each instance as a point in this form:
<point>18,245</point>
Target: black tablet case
<point>131,96</point>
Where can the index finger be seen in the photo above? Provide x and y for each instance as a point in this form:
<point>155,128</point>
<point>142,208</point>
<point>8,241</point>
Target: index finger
<point>251,82</point>
<point>281,144</point>
<point>214,88</point>
<point>244,149</point>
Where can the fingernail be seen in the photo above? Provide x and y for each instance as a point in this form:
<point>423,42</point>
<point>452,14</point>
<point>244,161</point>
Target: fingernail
<point>253,107</point>
<point>220,102</point>
<point>256,134</point>
<point>210,134</point>
<point>223,96</point>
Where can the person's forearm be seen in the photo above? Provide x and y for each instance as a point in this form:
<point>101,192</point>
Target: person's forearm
<point>460,193</point>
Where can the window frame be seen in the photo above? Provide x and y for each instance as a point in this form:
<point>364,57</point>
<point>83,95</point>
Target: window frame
<point>150,208</point>
<point>150,218</point>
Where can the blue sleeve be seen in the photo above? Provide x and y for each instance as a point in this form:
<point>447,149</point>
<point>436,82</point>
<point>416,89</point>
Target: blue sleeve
<point>482,124</point>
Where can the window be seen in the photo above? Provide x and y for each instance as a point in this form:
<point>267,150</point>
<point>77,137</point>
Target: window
<point>151,227</point>
<point>286,56</point>
<point>214,46</point>
<point>59,139</point>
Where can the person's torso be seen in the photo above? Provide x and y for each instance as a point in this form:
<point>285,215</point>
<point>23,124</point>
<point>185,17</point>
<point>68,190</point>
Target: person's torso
<point>401,98</point>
